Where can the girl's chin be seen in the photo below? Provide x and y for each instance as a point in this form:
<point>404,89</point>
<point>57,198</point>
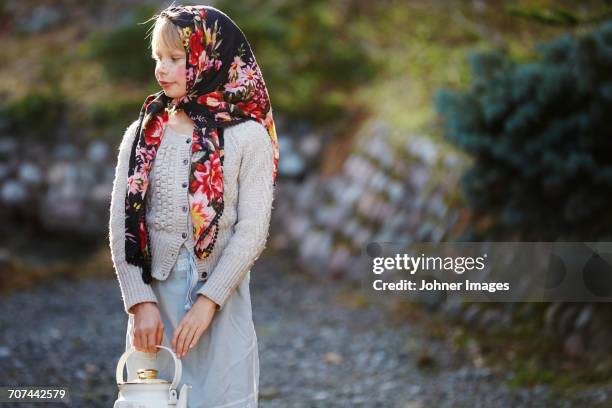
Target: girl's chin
<point>173,95</point>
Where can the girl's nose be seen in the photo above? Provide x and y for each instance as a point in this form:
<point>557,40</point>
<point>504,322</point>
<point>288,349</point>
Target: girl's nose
<point>162,68</point>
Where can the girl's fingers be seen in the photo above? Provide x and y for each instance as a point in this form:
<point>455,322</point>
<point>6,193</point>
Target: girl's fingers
<point>175,336</point>
<point>186,336</point>
<point>146,342</point>
<point>135,341</point>
<point>196,338</point>
<point>193,339</point>
<point>160,335</point>
<point>183,340</point>
<point>138,340</point>
<point>142,340</point>
<point>152,341</point>
<point>177,339</point>
<point>180,333</point>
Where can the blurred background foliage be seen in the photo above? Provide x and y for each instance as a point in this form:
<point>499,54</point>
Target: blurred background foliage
<point>540,136</point>
<point>521,88</point>
<point>327,64</point>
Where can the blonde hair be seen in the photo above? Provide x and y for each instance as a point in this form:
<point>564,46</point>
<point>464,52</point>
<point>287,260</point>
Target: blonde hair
<point>165,34</point>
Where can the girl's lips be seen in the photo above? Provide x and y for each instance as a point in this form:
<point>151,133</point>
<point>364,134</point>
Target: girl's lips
<point>165,84</point>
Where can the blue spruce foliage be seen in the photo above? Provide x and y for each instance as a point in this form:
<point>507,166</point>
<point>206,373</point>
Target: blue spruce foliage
<point>540,135</point>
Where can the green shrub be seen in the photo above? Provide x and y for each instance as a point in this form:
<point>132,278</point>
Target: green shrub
<point>541,138</point>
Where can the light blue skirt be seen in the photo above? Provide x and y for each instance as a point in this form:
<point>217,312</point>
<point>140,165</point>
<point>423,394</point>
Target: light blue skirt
<point>223,367</point>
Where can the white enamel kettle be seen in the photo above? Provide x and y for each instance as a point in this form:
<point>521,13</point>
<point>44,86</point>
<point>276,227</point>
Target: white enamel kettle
<point>150,392</point>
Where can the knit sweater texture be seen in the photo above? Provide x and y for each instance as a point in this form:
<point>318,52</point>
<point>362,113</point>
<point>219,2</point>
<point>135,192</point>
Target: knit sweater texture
<point>243,227</point>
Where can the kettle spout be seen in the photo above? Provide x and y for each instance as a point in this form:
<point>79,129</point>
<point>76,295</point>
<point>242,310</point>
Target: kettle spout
<point>183,396</point>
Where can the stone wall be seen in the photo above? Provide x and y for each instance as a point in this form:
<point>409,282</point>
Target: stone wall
<point>67,187</point>
<point>412,194</point>
<point>382,193</point>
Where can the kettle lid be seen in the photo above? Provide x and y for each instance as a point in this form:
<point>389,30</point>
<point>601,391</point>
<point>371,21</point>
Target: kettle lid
<point>146,381</point>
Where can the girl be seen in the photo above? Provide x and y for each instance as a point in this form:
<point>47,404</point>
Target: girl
<point>191,207</point>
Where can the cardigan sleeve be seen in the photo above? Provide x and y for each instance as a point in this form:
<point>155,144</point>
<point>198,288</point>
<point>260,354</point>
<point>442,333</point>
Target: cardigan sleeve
<point>133,289</point>
<point>255,196</point>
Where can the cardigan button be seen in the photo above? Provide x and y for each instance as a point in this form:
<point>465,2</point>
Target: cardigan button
<point>185,208</point>
<point>185,185</point>
<point>185,161</point>
<point>184,235</point>
<point>187,141</point>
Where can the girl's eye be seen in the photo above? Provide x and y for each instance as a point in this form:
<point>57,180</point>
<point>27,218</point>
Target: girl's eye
<point>174,59</point>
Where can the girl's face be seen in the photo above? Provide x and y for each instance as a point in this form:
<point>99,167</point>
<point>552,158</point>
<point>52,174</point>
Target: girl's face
<point>170,71</point>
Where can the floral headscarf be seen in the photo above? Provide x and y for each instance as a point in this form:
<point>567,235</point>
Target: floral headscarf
<point>224,87</point>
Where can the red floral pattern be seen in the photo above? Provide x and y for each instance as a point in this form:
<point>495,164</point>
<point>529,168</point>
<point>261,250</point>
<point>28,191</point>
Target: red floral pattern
<point>242,95</point>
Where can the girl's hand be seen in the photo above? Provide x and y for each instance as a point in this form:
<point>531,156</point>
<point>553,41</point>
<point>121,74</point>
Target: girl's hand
<point>193,325</point>
<point>148,327</point>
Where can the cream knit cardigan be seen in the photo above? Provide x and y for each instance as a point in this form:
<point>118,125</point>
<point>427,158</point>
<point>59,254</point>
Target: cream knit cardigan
<point>243,227</point>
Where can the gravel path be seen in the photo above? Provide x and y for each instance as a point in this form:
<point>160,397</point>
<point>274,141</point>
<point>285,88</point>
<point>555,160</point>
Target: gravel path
<point>315,351</point>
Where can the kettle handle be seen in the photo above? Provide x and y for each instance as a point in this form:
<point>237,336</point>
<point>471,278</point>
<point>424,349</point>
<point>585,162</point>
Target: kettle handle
<point>177,365</point>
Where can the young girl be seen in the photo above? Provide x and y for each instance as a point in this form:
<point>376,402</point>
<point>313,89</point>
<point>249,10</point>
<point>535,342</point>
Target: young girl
<point>191,206</point>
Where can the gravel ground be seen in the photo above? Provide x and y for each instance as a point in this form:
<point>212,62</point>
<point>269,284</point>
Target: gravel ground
<point>315,351</point>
